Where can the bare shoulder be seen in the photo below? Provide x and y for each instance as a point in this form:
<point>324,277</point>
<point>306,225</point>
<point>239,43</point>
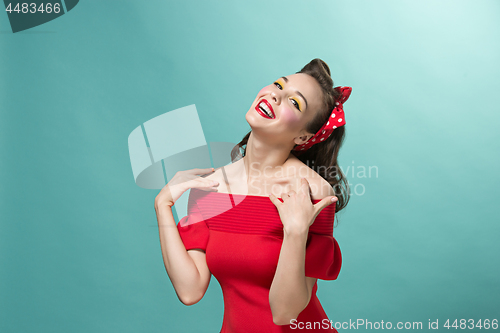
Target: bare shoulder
<point>320,188</point>
<point>324,189</point>
<point>223,175</point>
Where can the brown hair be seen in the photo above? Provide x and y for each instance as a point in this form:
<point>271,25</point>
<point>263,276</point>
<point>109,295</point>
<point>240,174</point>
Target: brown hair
<point>321,157</point>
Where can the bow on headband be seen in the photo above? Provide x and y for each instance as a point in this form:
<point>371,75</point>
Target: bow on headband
<point>335,120</point>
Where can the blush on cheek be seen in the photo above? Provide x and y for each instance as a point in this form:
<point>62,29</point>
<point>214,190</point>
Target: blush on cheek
<point>289,116</point>
<point>264,91</point>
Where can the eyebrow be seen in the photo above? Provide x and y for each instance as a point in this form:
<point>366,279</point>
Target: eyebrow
<point>298,92</point>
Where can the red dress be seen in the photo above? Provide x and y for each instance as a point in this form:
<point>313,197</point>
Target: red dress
<point>242,237</point>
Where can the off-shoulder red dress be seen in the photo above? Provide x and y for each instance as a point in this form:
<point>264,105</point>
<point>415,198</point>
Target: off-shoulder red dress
<point>242,237</point>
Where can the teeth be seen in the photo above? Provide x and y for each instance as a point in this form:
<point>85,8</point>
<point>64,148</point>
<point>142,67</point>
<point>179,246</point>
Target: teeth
<point>263,106</point>
<point>265,112</point>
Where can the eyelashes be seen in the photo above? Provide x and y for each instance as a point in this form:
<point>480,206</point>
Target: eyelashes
<point>294,101</point>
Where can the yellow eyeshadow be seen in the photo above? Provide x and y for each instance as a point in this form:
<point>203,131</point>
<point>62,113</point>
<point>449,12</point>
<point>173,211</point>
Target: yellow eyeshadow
<point>298,102</point>
<point>280,81</point>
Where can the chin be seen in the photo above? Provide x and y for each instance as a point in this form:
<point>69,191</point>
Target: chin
<point>250,117</point>
<point>247,116</point>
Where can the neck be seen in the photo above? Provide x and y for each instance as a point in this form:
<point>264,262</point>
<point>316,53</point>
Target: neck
<point>264,160</point>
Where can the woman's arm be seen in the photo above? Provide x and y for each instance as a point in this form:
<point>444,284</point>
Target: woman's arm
<point>290,290</point>
<point>187,270</point>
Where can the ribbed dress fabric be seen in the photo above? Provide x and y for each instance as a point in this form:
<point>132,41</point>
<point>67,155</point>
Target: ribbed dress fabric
<point>242,237</point>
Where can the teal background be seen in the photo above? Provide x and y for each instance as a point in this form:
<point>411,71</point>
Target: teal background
<point>79,246</point>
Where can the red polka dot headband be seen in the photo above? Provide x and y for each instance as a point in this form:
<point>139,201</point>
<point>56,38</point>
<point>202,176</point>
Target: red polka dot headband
<point>335,120</point>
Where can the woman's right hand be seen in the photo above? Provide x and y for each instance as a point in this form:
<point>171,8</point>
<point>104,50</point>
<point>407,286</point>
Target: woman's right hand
<point>181,182</point>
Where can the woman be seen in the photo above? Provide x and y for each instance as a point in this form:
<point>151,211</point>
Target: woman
<point>263,225</point>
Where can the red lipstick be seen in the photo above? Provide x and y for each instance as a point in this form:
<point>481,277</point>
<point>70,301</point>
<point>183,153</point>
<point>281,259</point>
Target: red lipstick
<point>265,109</point>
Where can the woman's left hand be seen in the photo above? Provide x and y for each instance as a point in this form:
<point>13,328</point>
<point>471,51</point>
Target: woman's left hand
<point>297,211</point>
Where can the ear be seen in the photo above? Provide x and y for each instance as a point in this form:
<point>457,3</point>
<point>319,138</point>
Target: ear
<point>302,138</point>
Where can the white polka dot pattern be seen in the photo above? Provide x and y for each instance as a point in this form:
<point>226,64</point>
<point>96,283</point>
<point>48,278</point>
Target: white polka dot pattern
<point>326,130</point>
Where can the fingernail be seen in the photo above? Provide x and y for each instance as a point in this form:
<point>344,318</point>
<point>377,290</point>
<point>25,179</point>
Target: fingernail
<point>334,199</point>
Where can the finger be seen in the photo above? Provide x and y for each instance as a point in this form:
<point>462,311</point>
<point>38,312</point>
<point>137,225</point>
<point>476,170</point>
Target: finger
<point>318,207</point>
<point>274,200</point>
<point>198,171</point>
<point>292,192</point>
<point>206,182</point>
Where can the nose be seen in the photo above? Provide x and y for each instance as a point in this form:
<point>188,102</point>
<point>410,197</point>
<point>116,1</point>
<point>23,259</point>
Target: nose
<point>276,97</point>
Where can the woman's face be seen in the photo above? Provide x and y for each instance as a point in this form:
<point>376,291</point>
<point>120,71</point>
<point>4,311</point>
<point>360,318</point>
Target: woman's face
<point>281,111</point>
